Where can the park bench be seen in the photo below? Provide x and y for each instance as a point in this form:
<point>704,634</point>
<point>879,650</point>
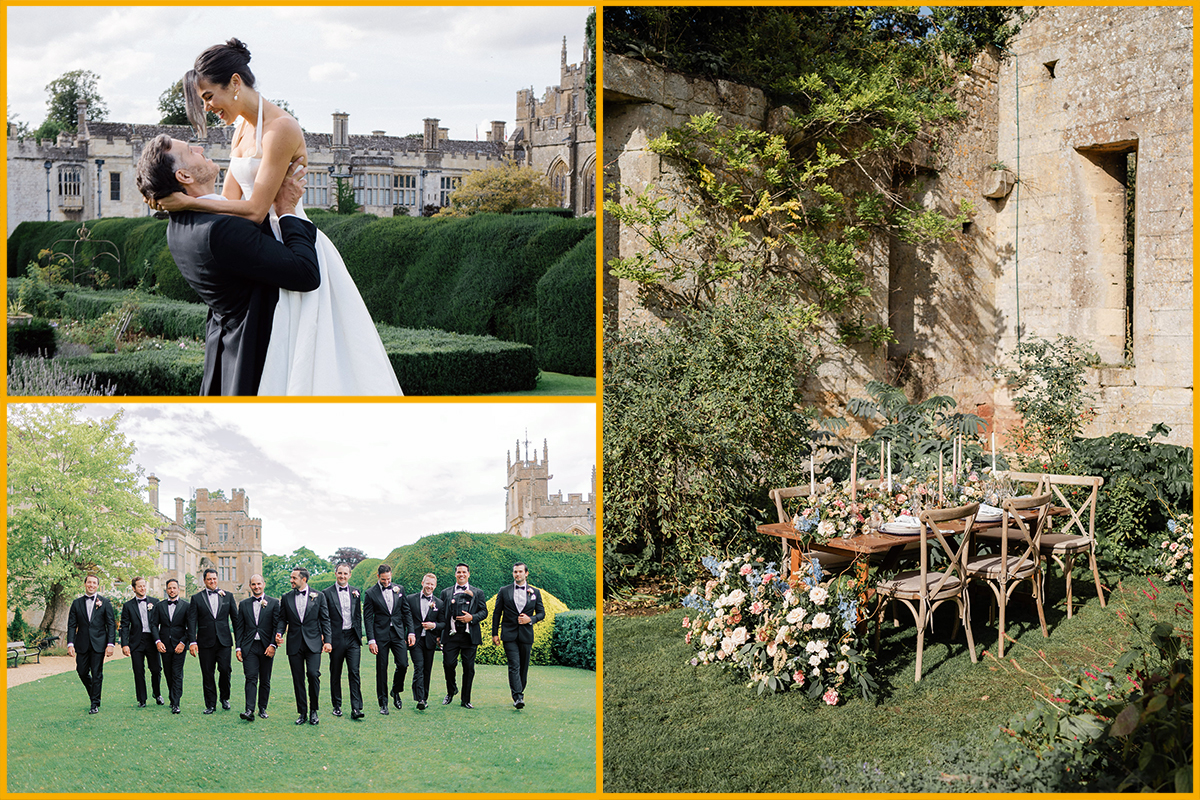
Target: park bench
<point>18,651</point>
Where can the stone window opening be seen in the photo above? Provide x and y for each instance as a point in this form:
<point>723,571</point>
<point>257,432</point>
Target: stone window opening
<point>1109,182</point>
<point>70,187</point>
<point>1050,65</point>
<point>114,186</point>
<point>223,531</point>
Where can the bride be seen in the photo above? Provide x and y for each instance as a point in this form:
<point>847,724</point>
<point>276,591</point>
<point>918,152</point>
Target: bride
<point>322,342</point>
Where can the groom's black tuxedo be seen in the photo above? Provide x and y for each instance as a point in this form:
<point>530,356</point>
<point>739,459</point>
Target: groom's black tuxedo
<point>305,638</point>
<point>238,268</point>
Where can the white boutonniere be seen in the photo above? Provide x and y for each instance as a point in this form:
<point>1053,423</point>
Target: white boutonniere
<point>354,593</point>
<point>221,592</point>
<point>98,599</point>
<point>263,602</point>
<point>433,605</point>
<point>395,589</point>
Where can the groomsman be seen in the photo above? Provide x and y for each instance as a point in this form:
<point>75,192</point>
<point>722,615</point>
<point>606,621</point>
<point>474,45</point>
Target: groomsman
<point>255,624</point>
<point>91,635</point>
<point>464,607</point>
<point>389,630</point>
<point>513,621</point>
<point>210,623</point>
<point>345,622</point>
<point>425,611</point>
<point>306,621</point>
<point>138,643</point>
<point>169,627</point>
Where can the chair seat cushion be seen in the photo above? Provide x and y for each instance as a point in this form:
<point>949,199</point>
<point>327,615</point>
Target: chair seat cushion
<point>1058,543</point>
<point>991,567</point>
<point>908,584</point>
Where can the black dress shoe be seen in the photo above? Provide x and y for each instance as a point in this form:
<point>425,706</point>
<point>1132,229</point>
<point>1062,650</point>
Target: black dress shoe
<point>174,709</point>
<point>225,705</point>
<point>159,701</point>
<point>467,705</point>
<point>301,720</point>
<point>420,705</point>
<point>337,711</point>
<point>262,714</point>
<point>356,713</point>
<point>247,715</point>
<point>94,710</point>
<point>209,710</point>
<point>142,704</point>
<point>383,710</point>
<point>397,701</point>
<point>520,701</point>
<point>313,719</point>
<point>446,700</point>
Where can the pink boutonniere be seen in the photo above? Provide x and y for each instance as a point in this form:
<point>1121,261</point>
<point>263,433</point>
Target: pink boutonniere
<point>221,592</point>
<point>264,601</point>
<point>354,593</point>
<point>432,605</point>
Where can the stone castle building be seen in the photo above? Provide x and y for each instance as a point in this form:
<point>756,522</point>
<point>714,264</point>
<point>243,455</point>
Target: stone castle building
<point>530,509</point>
<point>226,539</point>
<point>1087,119</point>
<point>552,135</point>
<point>90,174</point>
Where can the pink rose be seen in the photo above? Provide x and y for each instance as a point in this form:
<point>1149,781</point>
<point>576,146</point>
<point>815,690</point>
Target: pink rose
<point>798,677</point>
<point>686,622</point>
<point>830,697</point>
<point>768,577</point>
<point>756,607</point>
<point>687,639</point>
<point>745,570</point>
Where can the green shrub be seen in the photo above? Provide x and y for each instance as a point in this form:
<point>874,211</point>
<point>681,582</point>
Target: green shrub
<point>574,643</point>
<point>566,308</point>
<point>167,372</point>
<point>557,212</point>
<point>432,362</point>
<point>33,339</point>
<point>543,633</point>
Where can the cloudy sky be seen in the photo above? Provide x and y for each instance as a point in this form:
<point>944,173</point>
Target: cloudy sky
<point>388,67</point>
<point>368,475</point>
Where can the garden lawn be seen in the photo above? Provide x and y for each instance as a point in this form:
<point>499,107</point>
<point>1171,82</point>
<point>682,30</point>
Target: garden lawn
<point>54,745</point>
<point>669,726</point>
<point>555,383</point>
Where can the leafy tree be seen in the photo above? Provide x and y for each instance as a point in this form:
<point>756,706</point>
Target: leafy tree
<point>500,189</point>
<point>77,84</point>
<point>590,80</point>
<point>350,555</point>
<point>173,109</point>
<point>277,570</point>
<point>189,512</point>
<point>346,204</point>
<point>18,129</point>
<point>75,506</point>
<point>49,130</point>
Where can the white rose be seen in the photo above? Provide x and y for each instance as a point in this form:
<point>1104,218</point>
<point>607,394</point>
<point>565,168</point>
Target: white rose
<point>826,528</point>
<point>814,660</point>
<point>736,597</point>
<point>727,645</point>
<point>821,620</point>
<point>842,666</point>
<point>783,630</point>
<point>845,649</point>
<point>739,637</point>
<point>818,595</point>
<point>795,615</point>
<point>771,649</point>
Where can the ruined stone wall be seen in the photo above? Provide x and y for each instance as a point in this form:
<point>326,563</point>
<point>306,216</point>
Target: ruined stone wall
<point>1083,88</point>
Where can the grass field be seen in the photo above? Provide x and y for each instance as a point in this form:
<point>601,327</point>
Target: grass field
<point>669,726</point>
<point>441,749</point>
<point>555,383</point>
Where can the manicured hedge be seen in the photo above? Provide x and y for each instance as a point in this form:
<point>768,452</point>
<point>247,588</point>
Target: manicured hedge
<point>167,372</point>
<point>566,307</point>
<point>574,643</point>
<point>433,362</point>
<point>543,633</point>
<point>169,319</point>
<point>35,338</point>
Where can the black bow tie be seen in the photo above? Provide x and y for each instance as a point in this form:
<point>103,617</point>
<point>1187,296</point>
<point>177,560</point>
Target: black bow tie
<point>343,588</point>
<point>302,594</point>
<point>257,599</point>
<point>212,592</point>
<point>172,602</point>
<point>143,599</point>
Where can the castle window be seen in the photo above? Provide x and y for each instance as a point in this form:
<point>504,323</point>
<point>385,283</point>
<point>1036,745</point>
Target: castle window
<point>227,568</point>
<point>407,190</point>
<point>114,186</point>
<point>448,186</point>
<point>316,194</point>
<point>223,531</point>
<point>558,179</point>
<point>70,187</point>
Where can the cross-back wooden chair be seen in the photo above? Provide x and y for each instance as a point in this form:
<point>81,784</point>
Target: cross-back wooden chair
<point>830,562</point>
<point>1076,537</point>
<point>923,590</point>
<point>1004,572</point>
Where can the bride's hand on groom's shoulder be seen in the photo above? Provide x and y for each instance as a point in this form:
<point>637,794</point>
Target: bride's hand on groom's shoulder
<point>177,201</point>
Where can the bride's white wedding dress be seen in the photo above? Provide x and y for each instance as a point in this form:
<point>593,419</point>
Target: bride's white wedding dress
<point>322,342</point>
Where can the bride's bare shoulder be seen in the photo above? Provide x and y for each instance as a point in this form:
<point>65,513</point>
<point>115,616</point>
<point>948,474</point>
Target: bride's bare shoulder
<point>283,127</point>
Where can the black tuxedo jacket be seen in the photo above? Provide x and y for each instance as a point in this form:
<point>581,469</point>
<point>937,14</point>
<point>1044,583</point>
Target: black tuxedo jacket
<point>91,635</point>
<point>477,606</point>
<point>504,616</point>
<point>311,633</point>
<point>429,640</point>
<point>131,622</point>
<point>170,630</point>
<point>335,614</point>
<point>209,631</point>
<point>238,268</point>
<point>268,622</point>
<point>382,627</point>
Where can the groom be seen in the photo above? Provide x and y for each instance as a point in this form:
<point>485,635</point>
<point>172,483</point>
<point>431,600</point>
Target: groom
<point>236,266</point>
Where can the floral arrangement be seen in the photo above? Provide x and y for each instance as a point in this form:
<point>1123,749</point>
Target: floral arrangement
<point>780,636</point>
<point>1176,556</point>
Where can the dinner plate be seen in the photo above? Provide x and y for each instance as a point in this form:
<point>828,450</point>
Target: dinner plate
<point>901,529</point>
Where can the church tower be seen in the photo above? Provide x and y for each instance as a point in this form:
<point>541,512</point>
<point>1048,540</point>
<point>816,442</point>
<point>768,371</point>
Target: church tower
<point>530,509</point>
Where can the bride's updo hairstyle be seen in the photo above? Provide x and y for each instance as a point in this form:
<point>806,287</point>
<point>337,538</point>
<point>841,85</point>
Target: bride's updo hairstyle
<point>217,64</point>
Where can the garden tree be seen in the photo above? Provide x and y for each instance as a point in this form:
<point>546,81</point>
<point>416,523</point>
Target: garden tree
<point>783,226</point>
<point>173,109</point>
<point>500,189</point>
<point>344,198</point>
<point>589,83</point>
<point>349,555</point>
<point>61,112</point>
<point>189,513</point>
<point>75,506</point>
<point>277,570</point>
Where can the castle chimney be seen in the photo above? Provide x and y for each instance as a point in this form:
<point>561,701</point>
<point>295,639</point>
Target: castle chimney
<point>431,133</point>
<point>153,481</point>
<point>81,129</point>
<point>179,510</point>
<point>341,129</point>
<point>564,52</point>
<point>497,134</point>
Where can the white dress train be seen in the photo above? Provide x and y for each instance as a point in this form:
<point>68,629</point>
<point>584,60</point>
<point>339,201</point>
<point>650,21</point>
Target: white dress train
<point>322,342</point>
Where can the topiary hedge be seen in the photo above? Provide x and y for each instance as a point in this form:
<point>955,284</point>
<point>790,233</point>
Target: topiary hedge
<point>167,372</point>
<point>566,308</point>
<point>574,642</point>
<point>433,362</point>
<point>543,633</point>
<point>36,338</point>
